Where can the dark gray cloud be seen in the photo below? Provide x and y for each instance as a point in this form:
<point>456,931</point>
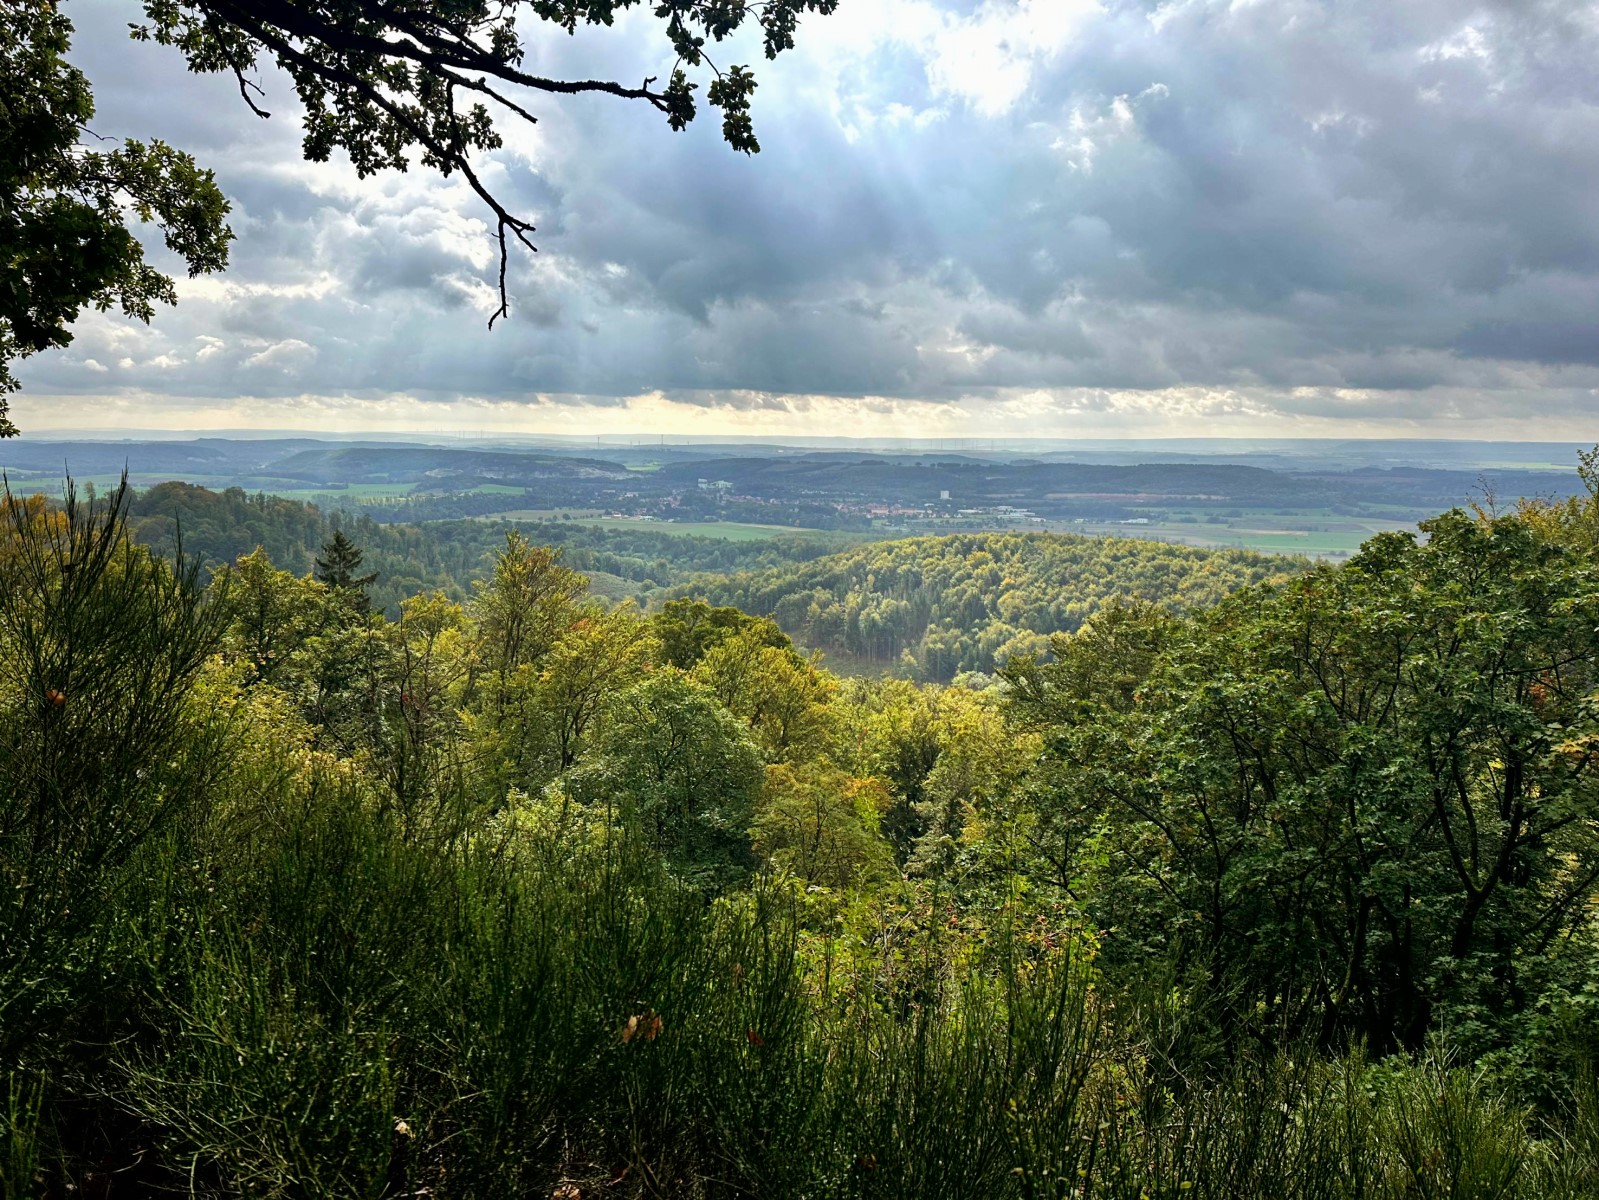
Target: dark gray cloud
<point>1366,208</point>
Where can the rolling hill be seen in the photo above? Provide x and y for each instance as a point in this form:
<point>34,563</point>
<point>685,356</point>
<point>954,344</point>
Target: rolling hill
<point>937,606</point>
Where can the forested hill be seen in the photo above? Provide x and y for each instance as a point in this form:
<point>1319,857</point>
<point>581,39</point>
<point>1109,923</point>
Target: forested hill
<point>218,527</point>
<point>1292,897</point>
<point>929,607</point>
<point>937,606</point>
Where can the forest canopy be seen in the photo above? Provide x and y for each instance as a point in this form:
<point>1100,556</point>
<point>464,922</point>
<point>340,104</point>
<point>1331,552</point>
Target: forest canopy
<point>1290,894</point>
<point>927,608</point>
<point>937,606</point>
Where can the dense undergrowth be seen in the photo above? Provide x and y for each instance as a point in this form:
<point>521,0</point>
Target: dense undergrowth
<point>532,897</point>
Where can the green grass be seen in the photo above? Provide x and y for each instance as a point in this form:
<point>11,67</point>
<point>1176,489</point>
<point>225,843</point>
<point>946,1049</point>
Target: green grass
<point>543,515</point>
<point>1273,533</point>
<point>56,488</point>
<point>360,491</point>
<point>1317,533</point>
<point>733,531</point>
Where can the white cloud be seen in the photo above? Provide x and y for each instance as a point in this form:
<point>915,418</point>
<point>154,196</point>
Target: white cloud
<point>1212,212</point>
<point>1089,131</point>
<point>287,355</point>
<point>1019,413</point>
<point>1466,42</point>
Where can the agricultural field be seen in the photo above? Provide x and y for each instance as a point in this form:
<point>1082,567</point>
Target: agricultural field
<point>1310,533</point>
<point>587,516</point>
<point>732,531</point>
<point>358,492</point>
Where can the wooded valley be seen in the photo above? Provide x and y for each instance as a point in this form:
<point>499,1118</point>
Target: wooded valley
<point>1209,875</point>
<point>1036,641</point>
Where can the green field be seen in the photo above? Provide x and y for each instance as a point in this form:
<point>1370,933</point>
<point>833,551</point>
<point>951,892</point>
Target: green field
<point>1317,533</point>
<point>586,516</point>
<point>1301,533</point>
<point>732,531</point>
<point>100,483</point>
<point>1314,533</point>
<point>352,491</point>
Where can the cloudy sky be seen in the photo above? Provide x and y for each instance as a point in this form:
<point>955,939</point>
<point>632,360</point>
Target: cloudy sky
<point>1057,217</point>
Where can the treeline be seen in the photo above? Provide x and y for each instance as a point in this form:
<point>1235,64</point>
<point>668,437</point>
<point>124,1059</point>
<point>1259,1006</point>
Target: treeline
<point>928,608</point>
<point>1289,896</point>
<point>934,607</point>
<point>218,527</point>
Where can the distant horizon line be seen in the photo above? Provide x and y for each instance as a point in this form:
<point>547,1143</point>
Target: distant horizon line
<point>690,439</point>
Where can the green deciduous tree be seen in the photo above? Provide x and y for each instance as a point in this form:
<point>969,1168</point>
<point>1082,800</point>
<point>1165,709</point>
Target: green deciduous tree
<point>273,613</point>
<point>679,769</point>
<point>534,723</point>
<point>66,206</point>
<point>419,675</point>
<point>689,628</point>
<point>783,697</point>
<point>1364,805</point>
<point>524,607</point>
<point>599,655</point>
<point>821,823</point>
<point>979,762</point>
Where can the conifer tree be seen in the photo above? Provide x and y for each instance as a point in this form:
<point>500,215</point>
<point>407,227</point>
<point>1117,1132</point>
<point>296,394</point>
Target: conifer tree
<point>337,567</point>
